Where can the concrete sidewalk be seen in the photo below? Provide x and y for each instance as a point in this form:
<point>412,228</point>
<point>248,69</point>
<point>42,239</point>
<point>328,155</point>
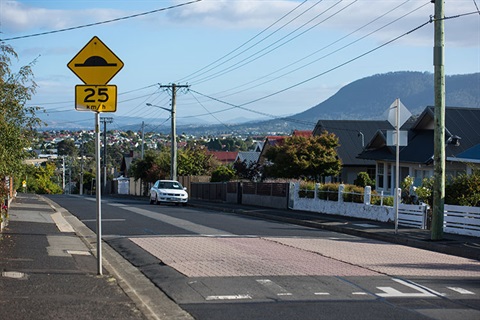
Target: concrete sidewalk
<point>49,271</point>
<point>458,245</point>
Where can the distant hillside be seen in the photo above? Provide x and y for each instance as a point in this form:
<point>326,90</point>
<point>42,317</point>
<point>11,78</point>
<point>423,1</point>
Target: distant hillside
<point>369,97</point>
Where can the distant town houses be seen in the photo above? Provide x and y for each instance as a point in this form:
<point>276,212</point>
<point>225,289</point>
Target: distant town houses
<point>363,146</point>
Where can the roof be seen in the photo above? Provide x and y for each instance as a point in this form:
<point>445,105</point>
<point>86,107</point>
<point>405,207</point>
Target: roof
<point>351,135</point>
<point>472,154</point>
<point>302,133</point>
<point>248,156</point>
<point>463,123</point>
<point>224,156</point>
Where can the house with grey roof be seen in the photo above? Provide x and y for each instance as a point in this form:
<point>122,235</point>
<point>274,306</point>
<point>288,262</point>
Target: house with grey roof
<point>250,157</point>
<point>462,148</point>
<point>352,135</point>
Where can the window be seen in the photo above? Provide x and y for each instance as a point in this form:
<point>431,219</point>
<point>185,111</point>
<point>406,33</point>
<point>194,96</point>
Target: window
<point>380,175</point>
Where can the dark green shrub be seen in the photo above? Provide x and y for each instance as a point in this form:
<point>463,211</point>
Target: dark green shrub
<point>376,200</point>
<point>464,190</point>
<point>328,191</point>
<point>353,193</point>
<point>363,180</point>
<point>222,174</point>
<point>307,189</point>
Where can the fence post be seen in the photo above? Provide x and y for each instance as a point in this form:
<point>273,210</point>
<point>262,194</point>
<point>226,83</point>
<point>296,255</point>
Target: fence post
<point>292,191</point>
<point>315,192</point>
<point>341,187</point>
<point>367,195</point>
<point>425,216</point>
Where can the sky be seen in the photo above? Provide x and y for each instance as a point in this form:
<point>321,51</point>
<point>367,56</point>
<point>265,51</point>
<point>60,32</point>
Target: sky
<point>241,59</point>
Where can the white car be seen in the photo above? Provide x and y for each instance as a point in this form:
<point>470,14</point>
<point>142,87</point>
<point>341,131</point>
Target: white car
<point>168,191</point>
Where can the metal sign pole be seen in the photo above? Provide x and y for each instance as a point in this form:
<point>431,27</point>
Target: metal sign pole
<point>98,194</point>
<point>397,162</point>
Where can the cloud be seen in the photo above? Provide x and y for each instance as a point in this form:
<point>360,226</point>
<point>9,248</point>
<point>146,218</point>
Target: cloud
<point>17,17</point>
<point>260,14</point>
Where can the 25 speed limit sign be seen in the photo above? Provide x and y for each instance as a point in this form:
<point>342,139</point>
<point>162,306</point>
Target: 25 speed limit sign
<point>96,98</point>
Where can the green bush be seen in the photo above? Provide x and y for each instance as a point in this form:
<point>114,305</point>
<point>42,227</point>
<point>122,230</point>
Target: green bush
<point>307,189</point>
<point>464,190</point>
<point>222,174</point>
<point>376,200</point>
<point>363,180</point>
<point>353,193</point>
<point>328,191</point>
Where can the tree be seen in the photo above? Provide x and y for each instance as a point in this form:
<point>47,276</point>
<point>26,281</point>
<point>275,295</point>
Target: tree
<point>222,174</point>
<point>298,157</point>
<point>152,167</point>
<point>194,162</point>
<point>67,148</point>
<point>17,122</point>
<point>40,179</point>
<point>247,170</point>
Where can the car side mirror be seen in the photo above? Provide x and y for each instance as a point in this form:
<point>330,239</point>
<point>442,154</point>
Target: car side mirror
<point>185,188</point>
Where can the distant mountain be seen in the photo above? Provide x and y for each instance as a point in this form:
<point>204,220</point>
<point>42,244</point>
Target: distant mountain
<point>368,98</point>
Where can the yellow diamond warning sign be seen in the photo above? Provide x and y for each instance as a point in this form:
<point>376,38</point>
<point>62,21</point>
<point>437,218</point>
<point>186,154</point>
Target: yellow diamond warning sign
<point>95,64</point>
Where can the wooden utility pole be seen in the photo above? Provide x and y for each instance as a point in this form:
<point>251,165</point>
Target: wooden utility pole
<point>105,120</point>
<point>173,167</point>
<point>439,129</point>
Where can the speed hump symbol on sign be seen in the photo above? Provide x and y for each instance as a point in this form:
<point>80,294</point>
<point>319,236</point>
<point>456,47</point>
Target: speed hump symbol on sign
<point>95,63</point>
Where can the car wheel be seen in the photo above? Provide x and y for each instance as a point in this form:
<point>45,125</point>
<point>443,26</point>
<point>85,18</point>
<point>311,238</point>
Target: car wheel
<point>156,200</point>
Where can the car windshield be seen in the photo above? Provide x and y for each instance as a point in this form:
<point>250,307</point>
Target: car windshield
<point>170,185</point>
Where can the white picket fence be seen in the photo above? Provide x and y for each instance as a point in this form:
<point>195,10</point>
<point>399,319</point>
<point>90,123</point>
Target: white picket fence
<point>457,219</point>
<point>462,220</point>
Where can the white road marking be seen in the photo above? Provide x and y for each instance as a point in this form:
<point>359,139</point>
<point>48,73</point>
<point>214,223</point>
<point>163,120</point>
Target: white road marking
<point>14,275</point>
<point>104,220</point>
<point>273,287</point>
<point>229,297</point>
<point>460,290</point>
<point>79,252</point>
<point>389,292</point>
<point>321,293</point>
<point>360,293</point>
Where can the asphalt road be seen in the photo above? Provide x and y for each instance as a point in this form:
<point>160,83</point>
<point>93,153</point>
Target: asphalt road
<point>218,265</point>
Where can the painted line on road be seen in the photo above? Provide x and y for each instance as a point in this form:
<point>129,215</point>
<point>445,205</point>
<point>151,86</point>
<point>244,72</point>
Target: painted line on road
<point>79,252</point>
<point>321,293</point>
<point>460,290</point>
<point>14,275</point>
<point>422,291</point>
<point>104,220</point>
<point>229,297</point>
<point>359,293</point>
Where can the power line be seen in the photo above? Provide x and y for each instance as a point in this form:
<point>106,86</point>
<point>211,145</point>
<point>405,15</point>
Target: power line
<point>338,66</point>
<point>211,114</point>
<point>242,106</point>
<point>251,39</point>
<point>101,22</point>
<point>252,57</point>
<point>328,54</point>
<point>315,52</point>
